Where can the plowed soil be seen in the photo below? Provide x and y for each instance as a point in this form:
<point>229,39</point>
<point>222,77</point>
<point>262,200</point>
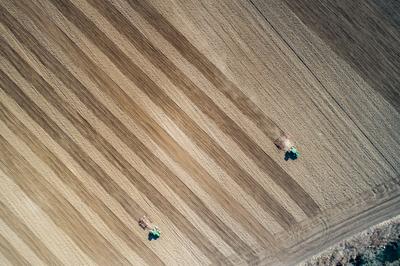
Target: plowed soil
<point>115,109</point>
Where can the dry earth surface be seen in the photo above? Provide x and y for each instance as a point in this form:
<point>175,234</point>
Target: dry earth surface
<point>115,109</point>
<point>375,246</point>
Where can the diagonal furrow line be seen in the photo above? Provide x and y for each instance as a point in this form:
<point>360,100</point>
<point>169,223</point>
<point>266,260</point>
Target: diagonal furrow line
<point>106,181</point>
<point>203,102</point>
<point>71,180</point>
<point>224,160</point>
<point>144,153</point>
<point>158,134</point>
<point>61,211</point>
<point>205,66</point>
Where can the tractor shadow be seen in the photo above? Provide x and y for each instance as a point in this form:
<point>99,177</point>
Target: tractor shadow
<point>290,155</point>
<point>151,237</point>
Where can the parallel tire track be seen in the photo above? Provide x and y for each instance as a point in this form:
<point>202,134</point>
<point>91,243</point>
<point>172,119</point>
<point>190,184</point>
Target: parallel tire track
<point>198,135</point>
<point>204,103</point>
<point>67,143</point>
<point>205,66</point>
<point>72,181</point>
<point>113,156</point>
<point>59,209</point>
<point>226,124</point>
<point>83,155</point>
<point>34,243</point>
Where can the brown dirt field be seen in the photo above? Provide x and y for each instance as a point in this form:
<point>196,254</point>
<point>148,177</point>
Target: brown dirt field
<point>115,109</point>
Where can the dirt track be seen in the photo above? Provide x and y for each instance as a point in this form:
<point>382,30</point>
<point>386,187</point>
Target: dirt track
<point>111,110</point>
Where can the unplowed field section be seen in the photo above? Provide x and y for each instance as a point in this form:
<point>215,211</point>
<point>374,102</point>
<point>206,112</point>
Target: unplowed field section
<point>111,110</point>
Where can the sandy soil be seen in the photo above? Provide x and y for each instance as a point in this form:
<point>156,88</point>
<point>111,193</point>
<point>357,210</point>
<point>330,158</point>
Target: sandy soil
<point>111,110</point>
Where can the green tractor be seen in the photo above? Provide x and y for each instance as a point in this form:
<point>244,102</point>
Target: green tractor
<point>154,233</point>
<point>285,144</point>
<point>146,224</point>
